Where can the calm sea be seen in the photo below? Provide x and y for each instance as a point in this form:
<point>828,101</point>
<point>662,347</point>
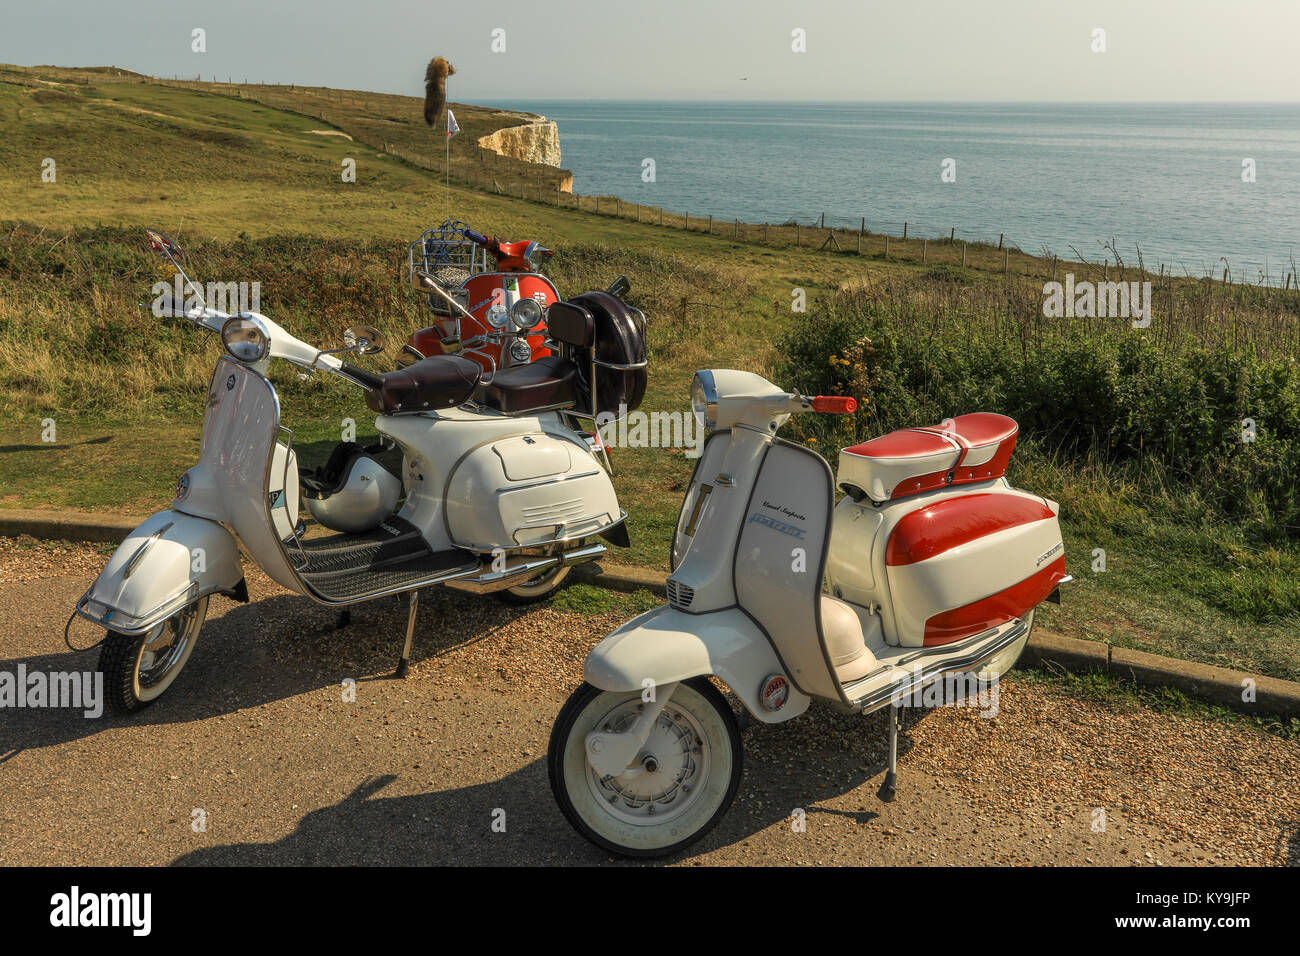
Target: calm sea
<point>1167,178</point>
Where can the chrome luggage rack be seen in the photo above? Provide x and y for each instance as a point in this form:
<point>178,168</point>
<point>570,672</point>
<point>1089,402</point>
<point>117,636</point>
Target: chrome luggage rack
<point>446,246</point>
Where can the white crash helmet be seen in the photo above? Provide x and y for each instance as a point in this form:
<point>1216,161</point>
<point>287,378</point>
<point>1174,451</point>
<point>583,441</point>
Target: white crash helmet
<point>352,492</point>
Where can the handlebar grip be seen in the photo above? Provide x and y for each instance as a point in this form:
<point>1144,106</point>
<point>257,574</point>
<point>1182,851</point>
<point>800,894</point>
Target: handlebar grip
<point>835,405</point>
<point>369,379</point>
<point>473,236</point>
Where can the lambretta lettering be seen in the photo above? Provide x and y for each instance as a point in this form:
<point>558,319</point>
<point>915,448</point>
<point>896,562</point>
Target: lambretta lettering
<point>133,910</point>
<point>1048,553</point>
<point>769,522</point>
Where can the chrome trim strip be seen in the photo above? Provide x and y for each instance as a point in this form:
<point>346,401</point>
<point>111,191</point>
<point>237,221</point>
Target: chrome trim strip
<point>161,612</point>
<point>140,552</point>
<point>983,653</point>
<point>546,481</point>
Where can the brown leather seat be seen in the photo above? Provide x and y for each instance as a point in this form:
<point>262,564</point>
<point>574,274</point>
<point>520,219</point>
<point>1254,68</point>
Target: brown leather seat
<point>442,381</point>
<point>545,383</point>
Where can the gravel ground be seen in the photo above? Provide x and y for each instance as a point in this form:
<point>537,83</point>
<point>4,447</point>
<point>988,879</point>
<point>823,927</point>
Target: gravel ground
<point>255,735</point>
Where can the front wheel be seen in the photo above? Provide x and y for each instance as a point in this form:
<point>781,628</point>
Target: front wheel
<point>138,668</point>
<point>673,792</point>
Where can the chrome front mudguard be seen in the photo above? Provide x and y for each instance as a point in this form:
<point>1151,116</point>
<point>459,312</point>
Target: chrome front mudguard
<point>665,646</point>
<point>163,565</point>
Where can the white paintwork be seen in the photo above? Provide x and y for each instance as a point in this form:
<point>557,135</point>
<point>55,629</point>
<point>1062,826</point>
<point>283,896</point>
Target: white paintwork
<point>666,646</point>
<point>747,562</point>
<point>184,557</point>
<point>458,492</point>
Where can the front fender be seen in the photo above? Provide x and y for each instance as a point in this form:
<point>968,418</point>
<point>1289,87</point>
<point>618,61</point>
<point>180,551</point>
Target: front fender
<point>666,645</point>
<point>170,560</point>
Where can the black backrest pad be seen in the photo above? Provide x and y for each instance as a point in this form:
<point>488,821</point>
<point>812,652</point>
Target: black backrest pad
<point>619,340</point>
<point>570,324</point>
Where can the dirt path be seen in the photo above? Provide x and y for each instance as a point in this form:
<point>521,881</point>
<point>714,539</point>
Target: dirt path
<point>256,735</point>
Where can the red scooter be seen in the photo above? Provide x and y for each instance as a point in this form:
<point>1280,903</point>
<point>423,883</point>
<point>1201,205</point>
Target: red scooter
<point>497,317</point>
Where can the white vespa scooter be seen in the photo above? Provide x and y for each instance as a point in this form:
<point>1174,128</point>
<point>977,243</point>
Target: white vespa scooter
<point>503,492</point>
<point>934,565</point>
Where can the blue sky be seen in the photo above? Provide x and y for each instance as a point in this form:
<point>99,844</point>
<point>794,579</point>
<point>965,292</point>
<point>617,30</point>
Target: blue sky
<point>950,50</point>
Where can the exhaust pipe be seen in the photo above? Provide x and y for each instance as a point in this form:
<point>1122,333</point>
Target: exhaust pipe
<point>489,580</point>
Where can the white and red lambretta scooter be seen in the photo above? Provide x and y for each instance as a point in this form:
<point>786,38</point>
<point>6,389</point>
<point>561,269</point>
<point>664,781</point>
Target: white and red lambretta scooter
<point>934,565</point>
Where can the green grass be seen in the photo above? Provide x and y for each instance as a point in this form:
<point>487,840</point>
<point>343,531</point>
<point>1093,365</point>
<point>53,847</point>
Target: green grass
<point>253,193</point>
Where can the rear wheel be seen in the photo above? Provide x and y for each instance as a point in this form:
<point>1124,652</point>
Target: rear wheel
<point>538,589</point>
<point>138,668</point>
<point>673,792</point>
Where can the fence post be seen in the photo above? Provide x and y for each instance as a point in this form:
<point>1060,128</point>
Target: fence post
<point>1162,268</point>
<point>861,229</point>
<point>823,220</point>
<point>735,232</point>
<point>1001,236</point>
<point>922,252</point>
<point>905,232</point>
<point>963,255</point>
<point>796,235</point>
<point>710,225</point>
<point>1006,256</point>
<point>688,221</point>
<point>661,215</point>
<point>952,236</point>
<point>886,247</point>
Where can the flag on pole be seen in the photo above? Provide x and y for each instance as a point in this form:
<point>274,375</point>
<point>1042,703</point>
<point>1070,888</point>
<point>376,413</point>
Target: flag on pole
<point>452,128</point>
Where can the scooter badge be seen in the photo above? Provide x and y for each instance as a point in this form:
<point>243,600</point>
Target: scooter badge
<point>774,692</point>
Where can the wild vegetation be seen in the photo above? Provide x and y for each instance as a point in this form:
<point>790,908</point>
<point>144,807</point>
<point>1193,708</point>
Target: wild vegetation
<point>1137,432</point>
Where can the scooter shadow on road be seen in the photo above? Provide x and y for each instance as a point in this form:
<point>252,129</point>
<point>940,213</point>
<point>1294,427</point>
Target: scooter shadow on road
<point>272,649</point>
<point>455,826</point>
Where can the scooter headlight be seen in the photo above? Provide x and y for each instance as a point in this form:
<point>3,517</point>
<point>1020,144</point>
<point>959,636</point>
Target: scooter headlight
<point>498,315</point>
<point>704,399</point>
<point>526,314</point>
<point>245,338</point>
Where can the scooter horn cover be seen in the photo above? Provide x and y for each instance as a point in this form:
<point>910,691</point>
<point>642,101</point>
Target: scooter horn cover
<point>619,340</point>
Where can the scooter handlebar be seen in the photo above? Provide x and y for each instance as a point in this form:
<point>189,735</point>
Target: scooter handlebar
<point>835,405</point>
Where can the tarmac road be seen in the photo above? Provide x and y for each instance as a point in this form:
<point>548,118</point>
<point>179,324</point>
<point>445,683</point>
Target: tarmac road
<point>256,735</point>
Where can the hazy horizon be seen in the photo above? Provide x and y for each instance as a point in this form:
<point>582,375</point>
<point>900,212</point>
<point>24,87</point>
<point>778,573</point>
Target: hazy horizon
<point>949,51</point>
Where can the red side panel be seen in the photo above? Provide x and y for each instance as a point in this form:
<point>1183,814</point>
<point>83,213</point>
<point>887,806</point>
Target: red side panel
<point>950,523</point>
<point>995,609</point>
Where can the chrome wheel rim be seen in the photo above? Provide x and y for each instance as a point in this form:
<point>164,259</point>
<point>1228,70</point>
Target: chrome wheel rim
<point>166,646</point>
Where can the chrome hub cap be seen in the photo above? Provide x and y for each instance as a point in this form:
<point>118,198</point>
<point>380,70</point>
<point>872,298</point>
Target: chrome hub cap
<point>663,778</point>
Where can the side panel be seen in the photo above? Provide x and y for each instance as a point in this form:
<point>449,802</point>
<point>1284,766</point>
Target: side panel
<point>779,555</point>
<point>665,645</point>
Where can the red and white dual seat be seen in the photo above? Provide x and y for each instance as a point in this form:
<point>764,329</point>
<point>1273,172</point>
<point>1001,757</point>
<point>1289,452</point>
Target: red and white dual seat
<point>962,450</point>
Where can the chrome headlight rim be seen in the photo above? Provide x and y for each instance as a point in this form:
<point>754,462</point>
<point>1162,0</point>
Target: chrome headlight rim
<point>526,314</point>
<point>704,399</point>
<point>245,339</point>
<point>497,315</point>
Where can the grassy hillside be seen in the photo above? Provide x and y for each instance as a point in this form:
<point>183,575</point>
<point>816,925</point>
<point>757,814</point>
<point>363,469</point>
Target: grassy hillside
<point>248,178</point>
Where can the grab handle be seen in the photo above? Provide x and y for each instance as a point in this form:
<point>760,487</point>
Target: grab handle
<point>835,405</point>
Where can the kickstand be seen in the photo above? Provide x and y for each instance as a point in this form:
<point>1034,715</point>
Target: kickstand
<point>404,663</point>
<point>344,619</point>
<point>889,789</point>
